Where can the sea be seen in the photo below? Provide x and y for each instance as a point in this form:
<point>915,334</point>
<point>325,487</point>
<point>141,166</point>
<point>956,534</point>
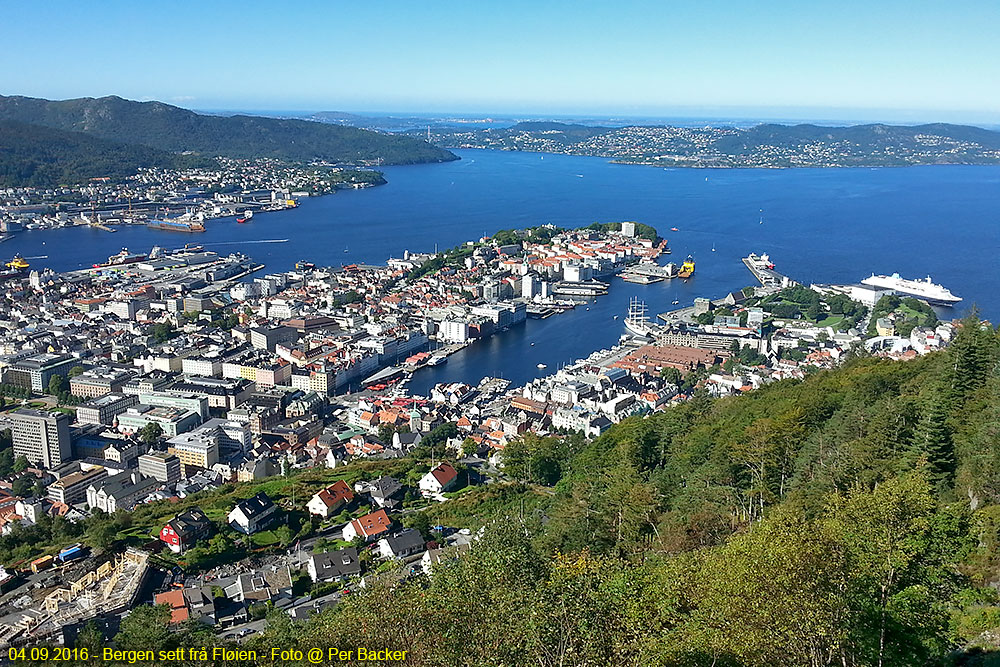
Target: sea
<point>818,225</point>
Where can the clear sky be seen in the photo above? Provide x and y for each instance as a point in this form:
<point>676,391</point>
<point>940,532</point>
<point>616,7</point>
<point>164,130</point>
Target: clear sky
<point>888,59</point>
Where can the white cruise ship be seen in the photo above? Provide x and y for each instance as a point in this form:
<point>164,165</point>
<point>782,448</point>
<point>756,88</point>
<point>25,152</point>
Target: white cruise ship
<point>922,289</point>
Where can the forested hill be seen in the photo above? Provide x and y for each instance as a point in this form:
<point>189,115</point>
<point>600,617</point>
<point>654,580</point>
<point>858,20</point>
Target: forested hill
<point>36,156</point>
<point>172,129</point>
<point>848,519</point>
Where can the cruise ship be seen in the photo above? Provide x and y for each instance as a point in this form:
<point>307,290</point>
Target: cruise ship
<point>924,289</point>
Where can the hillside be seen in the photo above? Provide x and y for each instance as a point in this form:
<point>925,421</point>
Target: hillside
<point>36,156</point>
<point>172,129</point>
<point>850,518</point>
<point>766,145</point>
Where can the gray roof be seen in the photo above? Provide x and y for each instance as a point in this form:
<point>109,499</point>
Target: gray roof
<point>336,564</point>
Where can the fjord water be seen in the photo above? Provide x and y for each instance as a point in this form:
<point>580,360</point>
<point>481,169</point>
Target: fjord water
<point>819,225</point>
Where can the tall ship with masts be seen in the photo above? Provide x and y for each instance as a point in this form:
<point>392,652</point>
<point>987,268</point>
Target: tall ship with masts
<point>637,322</point>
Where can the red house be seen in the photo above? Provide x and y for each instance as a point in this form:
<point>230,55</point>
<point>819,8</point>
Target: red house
<point>185,529</point>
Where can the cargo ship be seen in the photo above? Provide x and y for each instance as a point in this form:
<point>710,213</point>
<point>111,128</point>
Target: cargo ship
<point>124,257</point>
<point>924,289</point>
<point>188,226</point>
<point>687,268</point>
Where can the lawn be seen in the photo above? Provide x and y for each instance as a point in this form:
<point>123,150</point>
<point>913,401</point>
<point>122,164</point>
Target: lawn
<point>831,321</point>
<point>265,538</point>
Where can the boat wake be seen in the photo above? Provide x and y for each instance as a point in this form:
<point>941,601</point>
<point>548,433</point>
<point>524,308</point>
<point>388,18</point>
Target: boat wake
<point>246,242</point>
<point>38,257</point>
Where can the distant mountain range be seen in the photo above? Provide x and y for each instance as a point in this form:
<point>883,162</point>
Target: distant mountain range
<point>155,132</point>
<point>767,145</point>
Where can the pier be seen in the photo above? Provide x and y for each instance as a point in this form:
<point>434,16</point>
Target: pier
<point>764,272</point>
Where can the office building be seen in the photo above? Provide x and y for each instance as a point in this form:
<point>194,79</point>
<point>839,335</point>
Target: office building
<point>41,437</point>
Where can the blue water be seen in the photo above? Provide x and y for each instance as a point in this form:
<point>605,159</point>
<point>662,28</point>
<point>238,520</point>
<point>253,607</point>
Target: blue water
<point>821,225</point>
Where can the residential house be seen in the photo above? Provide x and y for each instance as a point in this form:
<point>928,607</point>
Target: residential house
<point>253,514</point>
<point>334,566</point>
<point>368,527</point>
<point>185,529</point>
<point>404,543</point>
<point>331,499</point>
<point>442,478</point>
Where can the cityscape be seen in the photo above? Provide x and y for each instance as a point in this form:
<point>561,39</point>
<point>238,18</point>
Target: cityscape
<point>552,384</point>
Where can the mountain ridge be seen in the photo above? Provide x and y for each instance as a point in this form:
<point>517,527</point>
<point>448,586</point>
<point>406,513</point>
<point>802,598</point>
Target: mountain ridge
<point>174,129</point>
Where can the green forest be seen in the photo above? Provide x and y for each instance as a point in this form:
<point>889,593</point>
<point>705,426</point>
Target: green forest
<point>43,157</point>
<point>175,130</point>
<point>850,518</point>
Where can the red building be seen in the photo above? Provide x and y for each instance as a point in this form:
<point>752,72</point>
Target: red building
<point>185,529</point>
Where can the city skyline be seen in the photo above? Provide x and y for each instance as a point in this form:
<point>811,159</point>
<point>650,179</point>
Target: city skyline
<point>852,62</point>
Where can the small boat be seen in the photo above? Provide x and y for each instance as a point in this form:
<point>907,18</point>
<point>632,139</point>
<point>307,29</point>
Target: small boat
<point>675,302</point>
<point>674,229</point>
<point>532,342</point>
<point>615,317</point>
<point>713,247</point>
<point>542,366</point>
<point>247,215</point>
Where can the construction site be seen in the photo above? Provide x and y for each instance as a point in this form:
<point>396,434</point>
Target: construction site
<point>110,587</point>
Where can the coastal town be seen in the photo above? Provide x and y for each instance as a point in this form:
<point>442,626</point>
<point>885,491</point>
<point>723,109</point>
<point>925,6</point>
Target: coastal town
<point>184,430</point>
<point>730,146</point>
<point>227,187</point>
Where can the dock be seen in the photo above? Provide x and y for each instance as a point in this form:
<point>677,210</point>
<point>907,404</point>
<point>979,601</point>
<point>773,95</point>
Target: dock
<point>763,271</point>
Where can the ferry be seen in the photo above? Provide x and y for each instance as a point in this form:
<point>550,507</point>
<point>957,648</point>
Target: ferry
<point>925,289</point>
<point>437,360</point>
<point>687,268</point>
<point>762,261</point>
<point>124,257</point>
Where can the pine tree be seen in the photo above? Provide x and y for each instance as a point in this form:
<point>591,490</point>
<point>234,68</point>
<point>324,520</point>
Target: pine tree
<point>933,442</point>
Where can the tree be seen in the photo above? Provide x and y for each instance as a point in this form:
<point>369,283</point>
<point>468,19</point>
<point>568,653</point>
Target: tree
<point>385,433</point>
<point>469,447</point>
<point>150,433</point>
<point>671,375</point>
<point>145,628</point>
<point>6,461</point>
<point>22,486</point>
<point>933,442</point>
<point>21,463</point>
<point>57,385</point>
<point>102,534</point>
<point>75,371</point>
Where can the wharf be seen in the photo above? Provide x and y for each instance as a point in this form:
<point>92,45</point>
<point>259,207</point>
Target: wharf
<point>764,272</point>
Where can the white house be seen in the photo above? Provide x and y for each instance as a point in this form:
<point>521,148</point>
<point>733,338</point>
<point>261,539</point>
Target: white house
<point>252,514</point>
<point>440,479</point>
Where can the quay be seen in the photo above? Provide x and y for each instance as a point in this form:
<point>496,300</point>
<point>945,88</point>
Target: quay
<point>763,270</point>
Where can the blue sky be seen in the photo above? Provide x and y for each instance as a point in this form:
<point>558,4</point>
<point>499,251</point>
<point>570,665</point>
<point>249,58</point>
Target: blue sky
<point>885,59</point>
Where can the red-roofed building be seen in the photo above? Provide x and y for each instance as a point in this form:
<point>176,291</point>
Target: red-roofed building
<point>368,527</point>
<point>439,480</point>
<point>175,600</point>
<point>331,499</point>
